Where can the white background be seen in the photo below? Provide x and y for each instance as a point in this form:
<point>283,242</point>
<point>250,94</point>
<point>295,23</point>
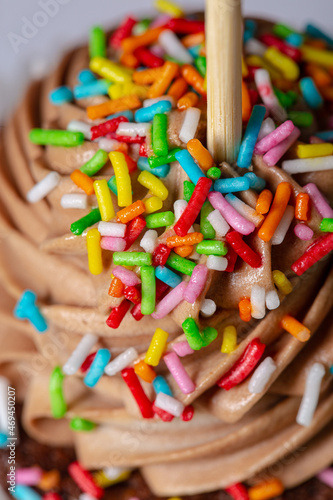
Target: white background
<point>70,25</point>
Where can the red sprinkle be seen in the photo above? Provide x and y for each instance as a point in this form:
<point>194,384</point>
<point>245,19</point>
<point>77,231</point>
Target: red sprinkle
<point>194,206</point>
<point>139,395</point>
<point>143,150</point>
<point>123,31</point>
<point>132,166</point>
<point>243,250</point>
<point>254,96</point>
<point>161,288</point>
<point>160,255</point>
<point>147,58</point>
<point>51,496</point>
<point>288,50</point>
<point>231,258</point>
<point>85,480</point>
<point>107,127</point>
<point>164,415</point>
<point>316,251</point>
<point>238,492</point>
<point>133,231</point>
<point>185,26</point>
<point>133,294</point>
<point>87,362</point>
<point>126,138</point>
<point>244,366</point>
<point>118,313</point>
<point>188,413</point>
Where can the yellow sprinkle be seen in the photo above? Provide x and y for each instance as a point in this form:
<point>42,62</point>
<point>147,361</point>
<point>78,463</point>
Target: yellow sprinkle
<point>104,482</point>
<point>128,88</point>
<point>288,67</point>
<point>259,61</point>
<point>123,179</point>
<point>282,282</point>
<point>116,91</point>
<point>153,204</point>
<point>94,251</point>
<point>104,199</point>
<point>155,185</point>
<point>229,342</point>
<point>169,8</point>
<point>157,347</point>
<point>321,57</point>
<point>314,150</point>
<point>110,70</point>
<point>245,70</point>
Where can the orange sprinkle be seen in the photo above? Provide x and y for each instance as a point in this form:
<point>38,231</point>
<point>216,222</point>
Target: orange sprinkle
<point>245,309</point>
<point>193,77</point>
<point>283,84</point>
<point>188,100</point>
<point>264,201</point>
<point>193,39</point>
<point>267,489</point>
<point>246,103</point>
<point>160,86</point>
<point>184,251</point>
<point>320,76</point>
<point>144,371</point>
<point>147,76</point>
<point>295,328</point>
<point>128,213</point>
<point>83,181</point>
<point>279,205</point>
<point>178,88</point>
<point>302,206</point>
<point>129,60</point>
<point>316,43</point>
<point>116,288</point>
<point>147,38</point>
<point>179,241</point>
<point>110,107</point>
<point>50,480</point>
<point>122,147</point>
<point>200,154</point>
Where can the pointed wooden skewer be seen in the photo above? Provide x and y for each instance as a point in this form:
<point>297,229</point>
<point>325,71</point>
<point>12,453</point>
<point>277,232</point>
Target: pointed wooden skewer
<point>224,78</point>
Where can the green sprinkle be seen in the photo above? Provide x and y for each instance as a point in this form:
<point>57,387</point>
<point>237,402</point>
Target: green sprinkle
<point>92,166</point>
<point>205,226</point>
<point>112,183</point>
<point>64,138</point>
<point>148,290</point>
<point>326,225</point>
<point>293,96</point>
<point>201,65</point>
<point>97,43</point>
<point>160,220</point>
<point>192,334</point>
<point>132,258</point>
<point>214,173</point>
<point>180,264</point>
<point>141,27</point>
<point>283,99</point>
<point>301,118</point>
<point>80,424</point>
<point>158,161</point>
<point>160,142</point>
<point>188,190</point>
<point>208,335</point>
<point>282,31</point>
<point>210,247</point>
<point>57,399</point>
<point>88,220</point>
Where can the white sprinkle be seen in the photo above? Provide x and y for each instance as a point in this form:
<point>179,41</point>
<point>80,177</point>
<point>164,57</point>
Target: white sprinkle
<point>245,210</point>
<point>217,263</point>
<point>266,128</point>
<point>272,300</point>
<point>258,309</point>
<point>79,354</point>
<point>261,376</point>
<point>219,223</point>
<point>266,92</point>
<point>190,124</point>
<point>169,404</point>
<point>114,472</point>
<point>154,100</point>
<point>283,226</point>
<point>133,129</point>
<point>254,47</point>
<point>108,144</point>
<point>4,384</point>
<point>311,395</point>
<point>43,187</point>
<point>148,241</point>
<point>208,307</point>
<point>178,208</point>
<point>75,200</point>
<point>79,126</point>
<point>124,359</point>
<point>173,47</point>
<point>300,165</point>
<point>116,229</point>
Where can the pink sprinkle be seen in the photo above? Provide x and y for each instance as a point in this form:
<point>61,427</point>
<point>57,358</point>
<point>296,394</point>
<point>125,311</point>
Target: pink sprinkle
<point>326,476</point>
<point>275,154</point>
<point>170,301</point>
<point>186,385</point>
<point>319,201</point>
<point>112,243</point>
<point>274,138</point>
<point>160,21</point>
<point>157,50</point>
<point>126,276</point>
<point>196,283</point>
<point>234,219</point>
<point>182,348</point>
<point>28,477</point>
<point>316,140</point>
<point>303,232</point>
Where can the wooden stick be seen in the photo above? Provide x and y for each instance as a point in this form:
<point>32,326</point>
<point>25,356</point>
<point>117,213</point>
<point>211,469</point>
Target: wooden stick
<point>224,78</point>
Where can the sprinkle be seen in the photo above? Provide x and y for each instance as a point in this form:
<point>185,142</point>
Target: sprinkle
<point>288,68</point>
<point>133,294</point>
<point>161,385</point>
<point>190,125</point>
<point>155,185</point>
<point>188,100</point>
<point>266,128</point>
<point>265,490</point>
<point>245,210</point>
<point>282,282</point>
<point>208,308</point>
<point>243,366</point>
<point>113,106</point>
<point>147,113</point>
<point>107,127</point>
<point>149,102</point>
<point>160,290</point>
<point>84,480</point>
<point>194,206</point>
<point>232,185</point>
<point>113,244</point>
<point>94,250</point>
<point>188,190</point>
<point>57,399</point>
<point>148,290</point>
<point>122,177</point>
<point>266,92</point>
<point>81,425</point>
<point>133,383</point>
<point>258,295</point>
<point>168,72</point>
<point>83,181</point>
<point>316,251</point>
<point>170,301</point>
<point>318,200</point>
<point>310,93</point>
<point>74,201</point>
<point>193,78</point>
<point>206,227</point>
<point>326,477</point>
<point>133,210</point>
<point>159,132</point>
<point>279,205</point>
<point>212,247</point>
<point>157,347</point>
<point>160,255</point>
<point>117,314</point>
<point>300,166</point>
<point>87,362</point>
<point>109,70</point>
<point>303,232</point>
<point>148,242</point>
<point>110,476</point>
<point>132,259</point>
<point>86,76</point>
<point>97,43</point>
<point>274,138</point>
<point>157,161</point>
<point>129,278</point>
<point>302,206</point>
<point>28,476</point>
<point>22,492</point>
<point>144,371</point>
<point>153,204</point>
<point>229,343</point>
<point>114,229</point>
<point>245,309</point>
<point>272,300</point>
<point>133,129</point>
<point>79,354</point>
<point>257,183</point>
<point>79,126</point>
<point>123,31</point>
<point>43,187</point>
<point>117,288</point>
<point>219,223</point>
<point>161,171</point>
<point>188,164</point>
<point>233,218</point>
<point>167,276</point>
<point>184,251</point>
<point>120,362</point>
<point>173,47</point>
<point>261,376</point>
<point>314,150</point>
<point>104,199</point>
<point>95,164</point>
<point>97,367</point>
<point>189,239</point>
<point>63,138</point>
<point>214,173</point>
<point>243,250</point>
<point>283,226</point>
<point>311,395</point>
<point>250,137</point>
<point>26,308</point>
<point>237,492</point>
<point>182,349</point>
<point>169,404</point>
<point>196,284</point>
<point>326,225</point>
<point>91,89</point>
<point>160,220</point>
<point>61,95</point>
<point>178,372</point>
<point>295,328</point>
<point>178,88</point>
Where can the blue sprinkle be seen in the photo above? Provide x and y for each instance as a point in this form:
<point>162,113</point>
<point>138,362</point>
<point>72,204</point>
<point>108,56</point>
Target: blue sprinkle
<point>310,93</point>
<point>315,32</point>
<point>256,183</point>
<point>194,50</point>
<point>232,185</point>
<point>26,308</point>
<point>331,369</point>
<point>86,76</point>
<point>25,493</point>
<point>325,135</point>
<point>167,276</point>
<point>247,36</point>
<point>127,113</point>
<point>188,164</point>
<point>98,87</point>
<point>96,370</point>
<point>61,95</point>
<point>295,39</point>
<point>250,27</point>
<point>161,385</point>
<point>112,183</point>
<point>161,171</point>
<point>250,137</point>
<point>3,439</point>
<point>148,113</point>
